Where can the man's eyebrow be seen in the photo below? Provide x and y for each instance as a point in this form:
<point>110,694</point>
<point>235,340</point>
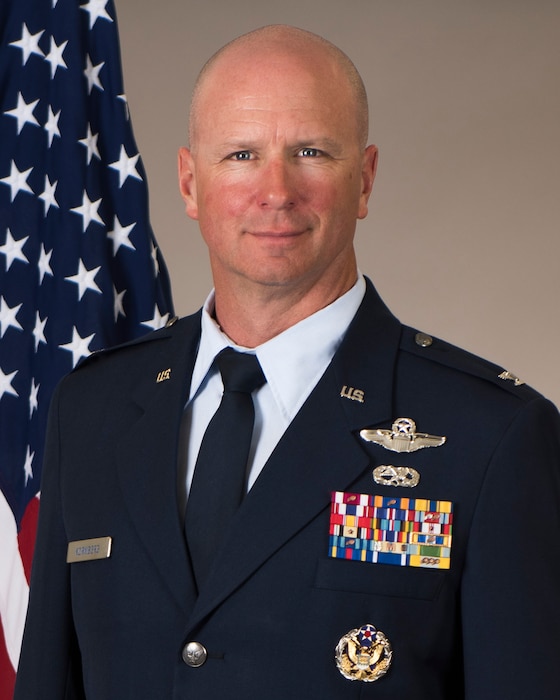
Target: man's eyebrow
<point>320,142</point>
<point>232,145</point>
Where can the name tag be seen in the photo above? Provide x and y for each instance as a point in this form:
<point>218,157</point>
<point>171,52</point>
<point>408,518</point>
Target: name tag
<point>86,550</point>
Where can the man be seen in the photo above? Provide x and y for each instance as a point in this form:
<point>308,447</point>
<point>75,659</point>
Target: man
<point>399,533</point>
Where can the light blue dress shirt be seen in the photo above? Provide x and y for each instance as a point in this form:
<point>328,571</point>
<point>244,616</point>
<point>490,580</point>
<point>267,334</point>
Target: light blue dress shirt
<point>292,362</point>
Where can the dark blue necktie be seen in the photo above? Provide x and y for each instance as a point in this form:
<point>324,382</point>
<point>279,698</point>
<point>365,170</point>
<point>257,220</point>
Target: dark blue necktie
<point>219,479</point>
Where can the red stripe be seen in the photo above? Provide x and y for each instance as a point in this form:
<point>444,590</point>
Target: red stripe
<point>26,536</point>
<point>7,673</point>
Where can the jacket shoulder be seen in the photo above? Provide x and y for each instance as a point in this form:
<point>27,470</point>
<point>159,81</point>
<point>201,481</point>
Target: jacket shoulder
<point>173,329</point>
<point>433,349</point>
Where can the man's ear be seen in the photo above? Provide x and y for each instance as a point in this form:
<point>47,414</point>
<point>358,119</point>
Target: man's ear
<point>369,168</point>
<point>187,182</point>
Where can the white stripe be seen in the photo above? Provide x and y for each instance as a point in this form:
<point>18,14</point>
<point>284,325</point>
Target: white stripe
<point>14,591</point>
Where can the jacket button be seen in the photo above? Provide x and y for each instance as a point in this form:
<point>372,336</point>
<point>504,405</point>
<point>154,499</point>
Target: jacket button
<point>194,654</point>
<point>423,340</point>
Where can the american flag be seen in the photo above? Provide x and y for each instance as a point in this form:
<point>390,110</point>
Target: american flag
<point>79,266</point>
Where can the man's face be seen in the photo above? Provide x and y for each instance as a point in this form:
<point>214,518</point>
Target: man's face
<point>277,176</point>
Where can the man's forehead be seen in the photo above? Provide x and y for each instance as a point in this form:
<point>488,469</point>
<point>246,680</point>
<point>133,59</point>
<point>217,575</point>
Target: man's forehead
<point>296,107</point>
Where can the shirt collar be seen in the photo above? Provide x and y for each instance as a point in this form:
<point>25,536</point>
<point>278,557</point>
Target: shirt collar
<point>292,361</point>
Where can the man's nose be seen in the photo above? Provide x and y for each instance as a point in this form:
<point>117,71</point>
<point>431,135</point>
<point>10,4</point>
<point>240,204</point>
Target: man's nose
<point>277,186</point>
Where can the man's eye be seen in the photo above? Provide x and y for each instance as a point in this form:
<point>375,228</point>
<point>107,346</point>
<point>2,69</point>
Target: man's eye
<point>240,155</point>
<point>309,152</point>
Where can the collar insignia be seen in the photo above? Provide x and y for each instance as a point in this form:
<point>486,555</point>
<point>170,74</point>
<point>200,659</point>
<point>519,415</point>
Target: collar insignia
<point>164,375</point>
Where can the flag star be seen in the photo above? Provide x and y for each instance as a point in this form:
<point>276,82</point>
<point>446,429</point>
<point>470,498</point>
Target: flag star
<point>120,235</point>
<point>47,195</point>
<point>157,321</point>
<point>155,258</point>
<point>29,43</point>
<point>23,112</point>
<point>96,9</point>
<point>84,278</point>
<point>8,317</point>
<point>6,383</point>
<point>90,142</point>
<point>78,346</point>
<point>118,302</point>
<point>51,125</point>
<point>88,211</point>
<point>33,397</point>
<point>92,74</point>
<point>126,166</point>
<point>54,57</point>
<point>27,466</point>
<point>17,180</point>
<point>39,330</point>
<point>44,263</point>
<point>13,250</point>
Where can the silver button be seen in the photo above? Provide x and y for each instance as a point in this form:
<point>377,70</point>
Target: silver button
<point>194,654</point>
<point>423,340</point>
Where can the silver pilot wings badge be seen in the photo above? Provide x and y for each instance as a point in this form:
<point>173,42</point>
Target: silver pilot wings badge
<point>402,437</point>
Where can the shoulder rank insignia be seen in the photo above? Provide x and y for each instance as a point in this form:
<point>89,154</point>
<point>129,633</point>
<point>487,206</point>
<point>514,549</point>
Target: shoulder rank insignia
<point>508,375</point>
<point>402,437</point>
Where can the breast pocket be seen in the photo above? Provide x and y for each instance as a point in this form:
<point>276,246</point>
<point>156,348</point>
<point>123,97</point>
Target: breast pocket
<point>379,579</point>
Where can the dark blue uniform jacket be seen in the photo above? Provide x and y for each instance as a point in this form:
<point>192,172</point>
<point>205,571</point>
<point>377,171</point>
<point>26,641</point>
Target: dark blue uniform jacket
<point>277,604</point>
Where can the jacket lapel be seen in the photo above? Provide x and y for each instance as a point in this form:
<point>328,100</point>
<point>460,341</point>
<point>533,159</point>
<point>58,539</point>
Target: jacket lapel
<point>147,453</point>
<point>320,452</point>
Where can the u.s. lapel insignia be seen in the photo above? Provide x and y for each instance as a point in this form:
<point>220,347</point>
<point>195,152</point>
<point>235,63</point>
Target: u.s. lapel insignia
<point>402,437</point>
<point>388,475</point>
<point>363,654</point>
<point>164,375</point>
<point>349,392</point>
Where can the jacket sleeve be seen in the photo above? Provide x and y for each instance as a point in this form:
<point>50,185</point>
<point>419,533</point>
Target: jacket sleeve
<point>50,665</point>
<point>511,584</point>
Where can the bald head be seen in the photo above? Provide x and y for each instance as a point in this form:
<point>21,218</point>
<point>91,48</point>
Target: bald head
<point>294,44</point>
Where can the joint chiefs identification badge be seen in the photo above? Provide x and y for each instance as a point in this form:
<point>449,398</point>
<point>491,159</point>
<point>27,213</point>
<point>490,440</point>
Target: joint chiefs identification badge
<point>363,654</point>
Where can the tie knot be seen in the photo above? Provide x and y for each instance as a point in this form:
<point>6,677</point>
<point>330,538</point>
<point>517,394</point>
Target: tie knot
<point>240,371</point>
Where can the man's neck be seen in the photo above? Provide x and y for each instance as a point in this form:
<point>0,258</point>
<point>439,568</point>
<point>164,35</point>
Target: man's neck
<point>253,314</point>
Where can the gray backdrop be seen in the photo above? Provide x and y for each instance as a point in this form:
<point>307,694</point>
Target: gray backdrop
<point>462,239</point>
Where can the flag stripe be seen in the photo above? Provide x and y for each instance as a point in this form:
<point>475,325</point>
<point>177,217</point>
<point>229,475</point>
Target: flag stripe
<point>14,587</point>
